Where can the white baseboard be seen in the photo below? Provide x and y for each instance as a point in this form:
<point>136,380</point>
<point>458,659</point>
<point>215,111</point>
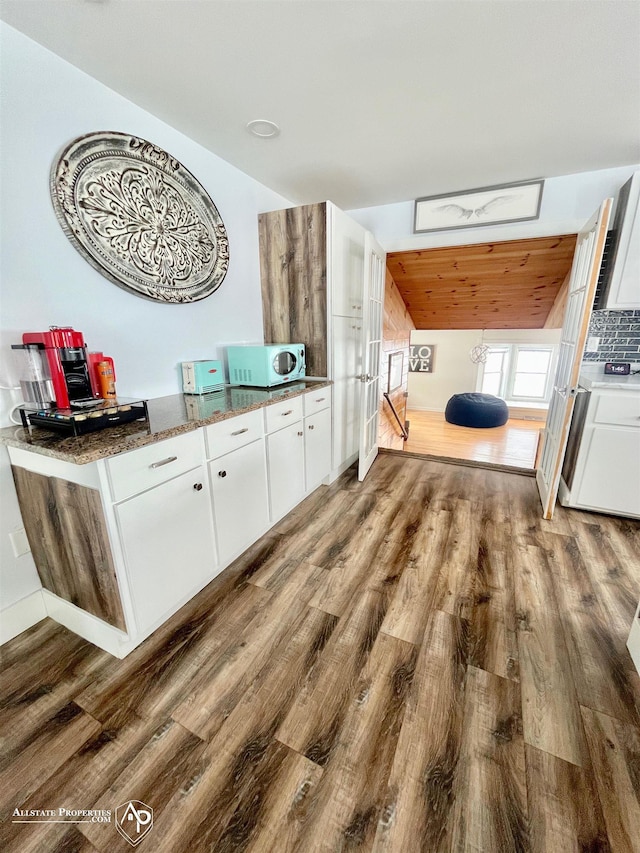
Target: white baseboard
<point>333,476</point>
<point>425,409</point>
<point>87,625</point>
<point>21,615</point>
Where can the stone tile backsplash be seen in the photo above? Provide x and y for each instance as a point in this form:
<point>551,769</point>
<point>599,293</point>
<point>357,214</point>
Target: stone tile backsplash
<point>619,333</point>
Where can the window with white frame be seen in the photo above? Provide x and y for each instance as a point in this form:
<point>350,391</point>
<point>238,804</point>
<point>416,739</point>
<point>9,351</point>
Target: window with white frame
<point>519,372</point>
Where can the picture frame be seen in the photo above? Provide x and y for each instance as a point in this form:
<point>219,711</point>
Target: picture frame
<point>494,205</point>
<point>396,366</point>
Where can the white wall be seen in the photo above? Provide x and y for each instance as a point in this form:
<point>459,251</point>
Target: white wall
<point>454,372</point>
<point>45,103</point>
<point>567,203</point>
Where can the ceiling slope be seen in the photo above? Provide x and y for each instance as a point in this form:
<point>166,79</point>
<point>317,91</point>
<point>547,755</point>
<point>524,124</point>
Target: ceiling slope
<point>510,285</point>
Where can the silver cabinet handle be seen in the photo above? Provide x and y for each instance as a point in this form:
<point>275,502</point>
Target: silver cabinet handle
<point>321,399</point>
<point>311,426</point>
<point>240,431</point>
<point>164,462</point>
<point>197,487</point>
<point>222,473</point>
<point>284,414</point>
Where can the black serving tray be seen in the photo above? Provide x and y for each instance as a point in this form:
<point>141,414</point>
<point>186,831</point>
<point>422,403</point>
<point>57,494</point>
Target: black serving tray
<point>74,422</point>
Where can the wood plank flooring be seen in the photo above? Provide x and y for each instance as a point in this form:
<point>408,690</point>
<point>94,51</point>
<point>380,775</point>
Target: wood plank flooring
<point>415,664</point>
<point>513,444</point>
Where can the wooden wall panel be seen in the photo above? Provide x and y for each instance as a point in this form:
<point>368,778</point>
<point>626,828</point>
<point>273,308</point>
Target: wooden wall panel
<point>293,272</point>
<point>66,530</point>
<point>509,285</point>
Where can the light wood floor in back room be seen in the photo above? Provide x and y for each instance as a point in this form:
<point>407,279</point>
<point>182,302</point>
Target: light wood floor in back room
<point>414,664</point>
<point>514,444</point>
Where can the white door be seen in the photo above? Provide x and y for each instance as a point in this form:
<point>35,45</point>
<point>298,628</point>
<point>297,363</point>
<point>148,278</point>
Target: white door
<point>373,304</point>
<point>168,543</point>
<point>285,461</point>
<point>582,288</point>
<point>240,499</point>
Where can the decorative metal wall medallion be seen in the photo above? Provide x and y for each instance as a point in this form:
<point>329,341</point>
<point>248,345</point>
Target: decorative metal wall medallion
<point>140,217</point>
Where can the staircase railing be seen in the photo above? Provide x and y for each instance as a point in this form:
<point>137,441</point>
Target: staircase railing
<point>403,431</point>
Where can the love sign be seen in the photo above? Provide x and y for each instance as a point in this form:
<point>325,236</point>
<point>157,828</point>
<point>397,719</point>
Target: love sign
<point>421,358</point>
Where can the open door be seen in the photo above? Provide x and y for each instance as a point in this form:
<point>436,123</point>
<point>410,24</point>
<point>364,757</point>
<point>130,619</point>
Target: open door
<point>582,289</point>
<point>373,305</point>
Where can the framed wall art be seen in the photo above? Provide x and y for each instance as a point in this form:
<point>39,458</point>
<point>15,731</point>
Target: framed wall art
<point>139,217</point>
<point>396,365</point>
<point>486,206</point>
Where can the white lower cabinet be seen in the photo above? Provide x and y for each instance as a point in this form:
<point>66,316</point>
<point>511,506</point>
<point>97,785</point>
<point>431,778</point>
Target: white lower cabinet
<point>285,459</point>
<point>317,448</point>
<point>602,464</point>
<point>240,499</point>
<point>167,539</point>
<point>177,512</point>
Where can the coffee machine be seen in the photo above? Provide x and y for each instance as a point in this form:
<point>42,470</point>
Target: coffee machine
<point>70,390</point>
<point>57,369</point>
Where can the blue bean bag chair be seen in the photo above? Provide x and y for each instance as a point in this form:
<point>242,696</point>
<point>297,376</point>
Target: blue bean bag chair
<point>476,410</point>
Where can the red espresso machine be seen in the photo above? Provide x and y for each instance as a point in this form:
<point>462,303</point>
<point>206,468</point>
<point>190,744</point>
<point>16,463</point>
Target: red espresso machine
<point>67,388</point>
<point>69,367</point>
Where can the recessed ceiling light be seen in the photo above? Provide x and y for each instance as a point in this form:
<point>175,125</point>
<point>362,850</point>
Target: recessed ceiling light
<point>263,128</point>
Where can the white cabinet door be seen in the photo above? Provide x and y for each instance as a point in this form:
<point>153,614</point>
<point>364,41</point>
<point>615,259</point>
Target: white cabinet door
<point>240,499</point>
<point>611,478</point>
<point>168,544</point>
<point>347,366</point>
<point>285,461</point>
<point>346,265</point>
<point>317,448</point>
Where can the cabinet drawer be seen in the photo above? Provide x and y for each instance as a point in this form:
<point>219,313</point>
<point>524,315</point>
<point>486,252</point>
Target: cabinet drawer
<point>141,469</point>
<point>619,409</point>
<point>228,435</point>
<point>315,401</point>
<point>280,415</point>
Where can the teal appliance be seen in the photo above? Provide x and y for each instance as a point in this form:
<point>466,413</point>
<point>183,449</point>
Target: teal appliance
<point>267,365</point>
<point>202,377</point>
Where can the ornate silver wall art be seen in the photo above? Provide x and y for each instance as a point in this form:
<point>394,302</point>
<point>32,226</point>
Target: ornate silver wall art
<point>138,216</point>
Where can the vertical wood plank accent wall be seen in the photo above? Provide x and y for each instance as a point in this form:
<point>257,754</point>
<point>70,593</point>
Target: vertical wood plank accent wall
<point>293,272</point>
<point>65,527</point>
<point>396,334</point>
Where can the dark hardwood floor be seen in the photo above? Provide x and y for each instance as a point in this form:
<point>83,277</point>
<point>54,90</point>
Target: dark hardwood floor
<point>418,663</point>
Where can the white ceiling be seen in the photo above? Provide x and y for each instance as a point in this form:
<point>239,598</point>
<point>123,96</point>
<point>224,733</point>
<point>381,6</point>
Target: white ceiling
<point>378,100</point>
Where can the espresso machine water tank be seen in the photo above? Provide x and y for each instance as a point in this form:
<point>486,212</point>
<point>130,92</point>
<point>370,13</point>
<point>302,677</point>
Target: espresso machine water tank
<point>35,378</point>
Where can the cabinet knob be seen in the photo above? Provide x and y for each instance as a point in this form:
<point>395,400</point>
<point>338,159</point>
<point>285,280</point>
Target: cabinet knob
<point>300,432</point>
<point>222,473</point>
<point>197,487</point>
<point>311,426</point>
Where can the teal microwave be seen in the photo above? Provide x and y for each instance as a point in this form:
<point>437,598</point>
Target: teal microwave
<point>267,365</point>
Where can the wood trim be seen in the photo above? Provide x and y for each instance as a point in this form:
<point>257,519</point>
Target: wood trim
<point>66,529</point>
<point>293,274</point>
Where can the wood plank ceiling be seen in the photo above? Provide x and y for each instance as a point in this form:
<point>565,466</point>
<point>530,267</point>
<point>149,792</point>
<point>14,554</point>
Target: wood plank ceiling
<point>509,285</point>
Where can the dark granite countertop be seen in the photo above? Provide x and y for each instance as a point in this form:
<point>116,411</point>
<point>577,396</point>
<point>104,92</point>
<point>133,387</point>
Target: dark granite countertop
<point>168,416</point>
